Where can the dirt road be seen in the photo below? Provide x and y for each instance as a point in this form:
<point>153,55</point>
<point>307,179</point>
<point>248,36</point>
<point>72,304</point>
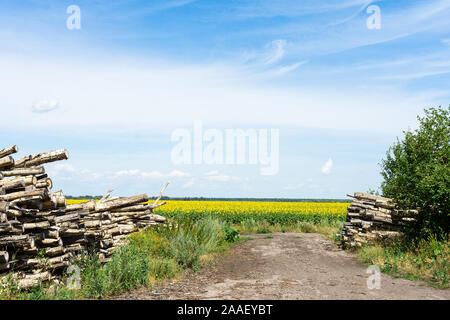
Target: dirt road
<point>286,266</point>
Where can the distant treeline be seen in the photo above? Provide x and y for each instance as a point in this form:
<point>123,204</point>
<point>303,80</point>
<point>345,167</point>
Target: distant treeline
<point>227,199</point>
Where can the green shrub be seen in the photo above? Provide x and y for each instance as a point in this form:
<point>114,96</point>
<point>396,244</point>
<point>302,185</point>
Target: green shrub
<point>231,234</point>
<point>416,174</point>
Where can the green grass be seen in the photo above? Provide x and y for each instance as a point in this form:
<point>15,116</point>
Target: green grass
<point>428,260</point>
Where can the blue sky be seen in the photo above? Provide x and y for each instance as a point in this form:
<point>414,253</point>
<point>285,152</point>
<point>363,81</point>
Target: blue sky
<point>114,91</point>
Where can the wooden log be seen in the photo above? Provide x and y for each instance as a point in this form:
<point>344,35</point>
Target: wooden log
<point>33,279</point>
<point>55,251</point>
<point>67,217</point>
<point>25,181</point>
<point>7,151</point>
<point>157,218</point>
<point>36,225</point>
<point>23,172</point>
<point>58,199</point>
<point>4,206</point>
<point>19,163</point>
<point>45,183</point>
<point>18,241</point>
<point>51,242</point>
<point>14,186</point>
<point>371,197</point>
<point>122,202</point>
<point>24,194</point>
<point>89,205</point>
<point>11,227</point>
<point>6,162</point>
<point>45,157</point>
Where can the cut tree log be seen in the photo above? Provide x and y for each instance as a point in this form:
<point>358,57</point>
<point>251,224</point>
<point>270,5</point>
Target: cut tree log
<point>26,181</point>
<point>6,162</point>
<point>23,172</point>
<point>45,157</point>
<point>24,194</point>
<point>7,151</point>
<point>122,202</point>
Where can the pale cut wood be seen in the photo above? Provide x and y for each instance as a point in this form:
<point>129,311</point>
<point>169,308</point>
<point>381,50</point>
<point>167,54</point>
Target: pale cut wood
<point>33,279</point>
<point>90,205</point>
<point>26,180</point>
<point>4,206</point>
<point>22,240</point>
<point>6,162</point>
<point>7,151</point>
<point>23,194</point>
<point>45,183</point>
<point>23,172</point>
<point>118,203</point>
<point>19,163</point>
<point>45,157</point>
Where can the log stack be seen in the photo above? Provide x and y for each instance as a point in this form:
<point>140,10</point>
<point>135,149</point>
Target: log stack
<point>373,219</point>
<point>40,233</point>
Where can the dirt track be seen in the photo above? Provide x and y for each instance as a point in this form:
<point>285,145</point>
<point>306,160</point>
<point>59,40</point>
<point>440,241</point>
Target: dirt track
<point>288,266</point>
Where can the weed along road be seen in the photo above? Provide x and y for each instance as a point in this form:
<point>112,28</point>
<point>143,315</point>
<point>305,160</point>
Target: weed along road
<point>287,266</point>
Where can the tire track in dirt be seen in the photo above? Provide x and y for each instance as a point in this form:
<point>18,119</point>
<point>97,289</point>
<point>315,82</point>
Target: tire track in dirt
<point>287,266</point>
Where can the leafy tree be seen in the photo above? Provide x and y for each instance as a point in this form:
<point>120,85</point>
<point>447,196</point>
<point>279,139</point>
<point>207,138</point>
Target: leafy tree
<point>416,173</point>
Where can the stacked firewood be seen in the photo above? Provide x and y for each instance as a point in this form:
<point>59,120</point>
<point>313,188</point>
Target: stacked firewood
<point>372,219</point>
<point>40,234</point>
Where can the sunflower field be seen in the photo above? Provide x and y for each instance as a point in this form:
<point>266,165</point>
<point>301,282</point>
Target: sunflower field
<point>235,212</point>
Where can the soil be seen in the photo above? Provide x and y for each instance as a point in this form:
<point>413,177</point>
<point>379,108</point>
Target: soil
<point>286,266</point>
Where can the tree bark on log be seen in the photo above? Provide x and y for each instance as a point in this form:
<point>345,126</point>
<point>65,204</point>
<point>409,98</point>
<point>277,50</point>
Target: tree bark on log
<point>24,194</point>
<point>27,181</point>
<point>45,157</point>
<point>23,172</point>
<point>7,151</point>
<point>118,203</point>
<point>6,162</point>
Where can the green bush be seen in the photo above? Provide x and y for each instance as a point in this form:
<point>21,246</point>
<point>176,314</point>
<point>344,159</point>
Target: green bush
<point>416,174</point>
<point>231,234</point>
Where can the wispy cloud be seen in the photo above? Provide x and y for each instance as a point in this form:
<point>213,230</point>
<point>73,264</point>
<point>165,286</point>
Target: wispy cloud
<point>218,177</point>
<point>276,52</point>
<point>326,168</point>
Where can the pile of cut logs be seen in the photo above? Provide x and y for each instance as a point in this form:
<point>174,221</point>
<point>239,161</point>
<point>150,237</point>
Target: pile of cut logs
<point>372,219</point>
<point>40,234</point>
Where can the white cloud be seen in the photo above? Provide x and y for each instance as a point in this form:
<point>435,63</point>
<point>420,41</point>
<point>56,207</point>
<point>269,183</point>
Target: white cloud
<point>122,173</point>
<point>276,51</point>
<point>45,106</point>
<point>286,69</point>
<point>178,174</point>
<point>216,176</point>
<point>326,168</point>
